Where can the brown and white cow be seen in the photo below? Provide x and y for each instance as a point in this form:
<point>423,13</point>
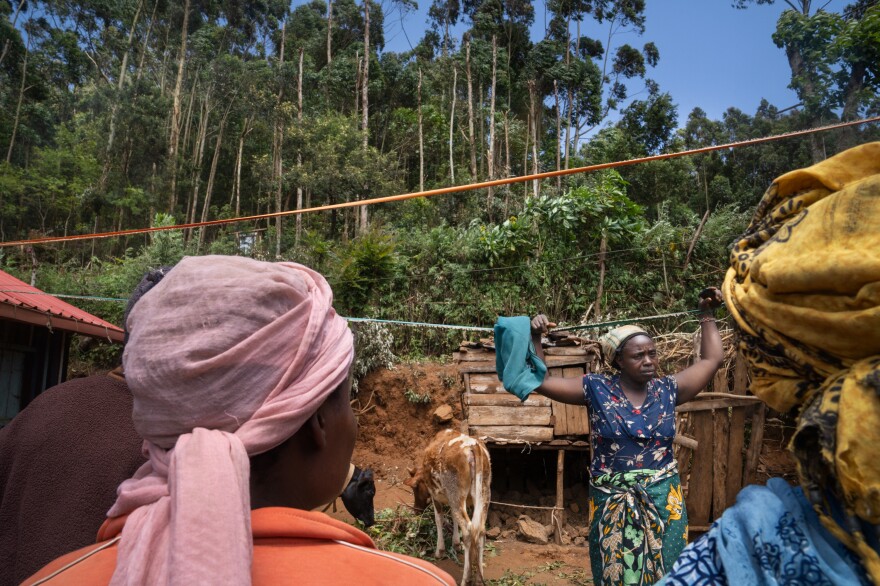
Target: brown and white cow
<point>455,471</point>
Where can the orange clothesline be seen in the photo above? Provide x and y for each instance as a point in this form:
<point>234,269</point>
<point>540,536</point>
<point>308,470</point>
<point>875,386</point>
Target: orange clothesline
<point>442,190</point>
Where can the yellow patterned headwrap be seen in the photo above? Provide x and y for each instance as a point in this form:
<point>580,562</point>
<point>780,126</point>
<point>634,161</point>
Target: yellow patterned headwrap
<point>804,290</point>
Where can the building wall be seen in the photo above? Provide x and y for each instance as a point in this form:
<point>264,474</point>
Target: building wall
<point>32,359</point>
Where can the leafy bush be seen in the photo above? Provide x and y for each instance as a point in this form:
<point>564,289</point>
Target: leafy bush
<point>373,349</point>
<point>402,530</point>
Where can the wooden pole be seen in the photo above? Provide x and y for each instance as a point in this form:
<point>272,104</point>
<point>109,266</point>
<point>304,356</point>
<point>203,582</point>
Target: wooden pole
<point>757,439</point>
<point>602,246</point>
<point>737,431</point>
<point>559,512</point>
<point>720,463</point>
<point>687,259</point>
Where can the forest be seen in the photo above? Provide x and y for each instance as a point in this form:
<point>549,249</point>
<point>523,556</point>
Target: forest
<point>122,114</point>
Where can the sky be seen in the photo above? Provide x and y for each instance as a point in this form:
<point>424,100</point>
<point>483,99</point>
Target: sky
<point>712,55</point>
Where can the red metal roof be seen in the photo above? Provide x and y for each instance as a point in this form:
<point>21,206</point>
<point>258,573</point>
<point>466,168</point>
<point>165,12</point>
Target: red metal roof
<point>19,301</point>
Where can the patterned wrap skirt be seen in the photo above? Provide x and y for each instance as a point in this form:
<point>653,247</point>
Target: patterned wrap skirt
<point>638,525</point>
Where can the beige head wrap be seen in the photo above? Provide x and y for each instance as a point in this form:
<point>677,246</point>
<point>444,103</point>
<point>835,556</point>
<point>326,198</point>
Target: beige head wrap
<point>614,340</point>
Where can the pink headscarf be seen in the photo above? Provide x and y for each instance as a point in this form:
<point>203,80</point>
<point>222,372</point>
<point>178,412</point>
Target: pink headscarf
<point>227,358</point>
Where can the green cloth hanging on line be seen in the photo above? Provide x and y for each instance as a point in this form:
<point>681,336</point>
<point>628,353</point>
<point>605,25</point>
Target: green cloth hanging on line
<point>517,364</point>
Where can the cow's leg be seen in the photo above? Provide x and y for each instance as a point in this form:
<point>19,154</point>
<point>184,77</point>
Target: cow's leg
<point>479,544</point>
<point>441,543</point>
<point>460,517</point>
<point>481,526</point>
<point>456,536</point>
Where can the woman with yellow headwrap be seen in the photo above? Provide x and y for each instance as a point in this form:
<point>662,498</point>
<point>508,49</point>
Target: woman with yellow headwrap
<point>804,291</point>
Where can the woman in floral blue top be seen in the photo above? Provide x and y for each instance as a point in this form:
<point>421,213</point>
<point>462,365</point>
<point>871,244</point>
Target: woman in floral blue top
<point>638,523</point>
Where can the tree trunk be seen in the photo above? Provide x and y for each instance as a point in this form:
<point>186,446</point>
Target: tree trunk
<point>568,93</point>
<point>452,126</point>
<point>602,246</point>
<point>14,20</point>
<point>278,143</point>
<point>525,167</point>
<point>533,102</point>
<point>798,66</point>
<point>164,60</point>
<point>329,31</point>
<point>482,129</point>
<point>198,155</point>
<point>471,137</point>
<point>421,135</point>
<point>21,91</point>
<point>209,188</point>
<point>854,86</point>
<point>558,134</point>
<point>120,84</point>
<point>146,43</point>
<point>187,120</point>
<point>236,180</point>
<point>490,156</point>
<point>507,143</point>
<point>175,110</point>
<point>366,103</point>
<point>299,117</point>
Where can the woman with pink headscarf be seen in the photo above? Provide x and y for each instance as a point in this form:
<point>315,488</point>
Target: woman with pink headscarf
<point>240,375</point>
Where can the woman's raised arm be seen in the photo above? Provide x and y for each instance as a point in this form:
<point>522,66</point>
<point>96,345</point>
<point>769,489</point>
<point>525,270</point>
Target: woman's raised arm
<point>696,377</point>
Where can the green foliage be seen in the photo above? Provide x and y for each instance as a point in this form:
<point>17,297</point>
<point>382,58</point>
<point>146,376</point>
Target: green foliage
<point>373,349</point>
<point>417,399</point>
<point>90,149</point>
<point>403,531</point>
<point>362,268</point>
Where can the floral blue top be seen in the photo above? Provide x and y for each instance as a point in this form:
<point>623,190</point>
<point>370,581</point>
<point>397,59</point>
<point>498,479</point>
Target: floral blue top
<point>624,437</point>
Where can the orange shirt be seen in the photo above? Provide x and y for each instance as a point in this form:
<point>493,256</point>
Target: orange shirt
<point>290,546</point>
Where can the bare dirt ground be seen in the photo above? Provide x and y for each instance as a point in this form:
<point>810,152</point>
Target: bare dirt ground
<point>395,409</point>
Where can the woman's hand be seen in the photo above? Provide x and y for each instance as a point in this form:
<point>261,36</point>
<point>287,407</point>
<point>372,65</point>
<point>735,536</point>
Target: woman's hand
<point>541,325</point>
<point>710,299</point>
<point>564,390</point>
<point>694,379</point>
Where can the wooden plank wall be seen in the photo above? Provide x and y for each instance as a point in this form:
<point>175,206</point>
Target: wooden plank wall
<point>493,412</point>
<point>722,464</point>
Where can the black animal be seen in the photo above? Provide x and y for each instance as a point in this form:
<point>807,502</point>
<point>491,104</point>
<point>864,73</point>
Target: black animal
<point>358,496</point>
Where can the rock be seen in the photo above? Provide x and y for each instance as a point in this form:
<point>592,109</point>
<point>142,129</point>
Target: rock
<point>443,414</point>
<point>575,508</point>
<point>579,540</point>
<point>532,531</point>
<point>566,539</point>
<point>495,519</point>
<point>494,533</point>
<point>508,534</point>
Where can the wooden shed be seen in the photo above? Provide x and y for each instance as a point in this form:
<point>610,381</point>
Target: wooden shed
<point>35,334</point>
<point>501,420</point>
<point>497,416</point>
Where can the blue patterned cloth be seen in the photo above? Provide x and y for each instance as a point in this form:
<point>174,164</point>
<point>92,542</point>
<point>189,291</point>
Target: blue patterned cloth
<point>770,536</point>
<point>624,437</point>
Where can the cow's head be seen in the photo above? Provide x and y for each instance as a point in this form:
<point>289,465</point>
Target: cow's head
<point>417,482</point>
<point>358,496</point>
